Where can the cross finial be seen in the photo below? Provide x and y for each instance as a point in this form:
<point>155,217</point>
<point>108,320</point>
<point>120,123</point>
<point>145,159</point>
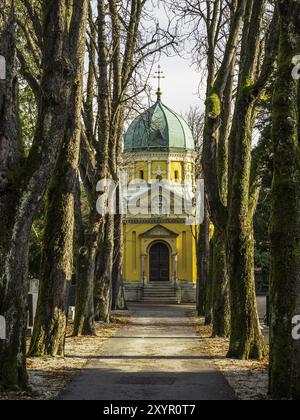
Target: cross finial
<point>159,75</point>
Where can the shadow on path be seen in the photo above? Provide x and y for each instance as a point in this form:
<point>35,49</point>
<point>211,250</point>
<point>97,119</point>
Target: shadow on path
<point>155,357</point>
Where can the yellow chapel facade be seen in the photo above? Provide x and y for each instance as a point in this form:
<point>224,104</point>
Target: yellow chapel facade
<point>159,240</point>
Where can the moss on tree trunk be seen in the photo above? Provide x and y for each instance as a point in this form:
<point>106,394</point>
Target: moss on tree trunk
<point>285,223</point>
<point>57,262</point>
<point>203,263</point>
<point>208,307</point>
<point>118,297</point>
<point>84,323</point>
<point>37,171</point>
<point>221,304</point>
<point>246,339</point>
<point>103,289</point>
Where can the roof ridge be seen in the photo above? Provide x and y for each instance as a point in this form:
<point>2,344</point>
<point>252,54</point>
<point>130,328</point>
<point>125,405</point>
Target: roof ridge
<point>166,120</point>
<point>182,128</point>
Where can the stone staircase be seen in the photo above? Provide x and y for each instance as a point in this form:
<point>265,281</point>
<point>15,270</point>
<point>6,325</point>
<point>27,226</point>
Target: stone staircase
<point>160,292</point>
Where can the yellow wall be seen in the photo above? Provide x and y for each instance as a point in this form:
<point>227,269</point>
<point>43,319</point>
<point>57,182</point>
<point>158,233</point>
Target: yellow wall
<point>135,169</point>
<point>135,246</point>
<point>184,245</point>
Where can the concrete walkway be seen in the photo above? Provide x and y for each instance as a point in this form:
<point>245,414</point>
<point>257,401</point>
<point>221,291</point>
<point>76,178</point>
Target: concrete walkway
<point>155,357</point>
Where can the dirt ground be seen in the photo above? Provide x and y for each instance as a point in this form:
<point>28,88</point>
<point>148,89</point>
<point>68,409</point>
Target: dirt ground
<point>249,379</point>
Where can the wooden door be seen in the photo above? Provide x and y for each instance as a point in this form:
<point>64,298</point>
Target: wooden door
<point>159,263</point>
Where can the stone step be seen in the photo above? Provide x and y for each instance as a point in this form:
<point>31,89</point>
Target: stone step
<point>160,291</point>
<point>160,284</point>
<point>174,300</point>
<point>160,297</point>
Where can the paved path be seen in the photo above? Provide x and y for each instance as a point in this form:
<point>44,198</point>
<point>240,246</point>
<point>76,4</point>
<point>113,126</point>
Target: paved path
<point>155,357</point>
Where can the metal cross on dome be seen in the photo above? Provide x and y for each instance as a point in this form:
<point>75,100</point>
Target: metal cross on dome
<point>159,75</point>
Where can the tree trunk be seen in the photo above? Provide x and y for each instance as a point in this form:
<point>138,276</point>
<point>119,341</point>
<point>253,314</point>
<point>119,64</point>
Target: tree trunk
<point>84,323</point>
<point>246,338</point>
<point>221,303</point>
<point>209,293</point>
<point>57,263</point>
<point>285,222</point>
<point>33,183</point>
<point>203,264</point>
<point>103,292</point>
<point>118,296</point>
<point>10,141</point>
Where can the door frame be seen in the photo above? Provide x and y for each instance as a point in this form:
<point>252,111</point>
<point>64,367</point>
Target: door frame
<point>149,258</point>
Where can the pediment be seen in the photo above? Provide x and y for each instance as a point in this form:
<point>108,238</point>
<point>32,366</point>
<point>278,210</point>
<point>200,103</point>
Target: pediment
<point>159,232</point>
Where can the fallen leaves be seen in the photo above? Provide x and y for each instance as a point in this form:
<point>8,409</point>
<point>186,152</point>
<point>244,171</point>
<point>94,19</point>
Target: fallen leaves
<point>48,376</point>
<point>249,379</point>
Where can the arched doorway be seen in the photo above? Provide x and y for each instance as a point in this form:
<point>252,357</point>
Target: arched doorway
<point>159,259</point>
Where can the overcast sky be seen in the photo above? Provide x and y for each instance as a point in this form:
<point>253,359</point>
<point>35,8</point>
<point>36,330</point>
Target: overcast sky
<point>181,84</point>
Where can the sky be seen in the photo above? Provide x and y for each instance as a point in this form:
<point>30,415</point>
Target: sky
<point>181,84</point>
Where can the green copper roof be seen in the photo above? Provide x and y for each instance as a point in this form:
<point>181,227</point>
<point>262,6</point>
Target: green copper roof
<point>159,128</point>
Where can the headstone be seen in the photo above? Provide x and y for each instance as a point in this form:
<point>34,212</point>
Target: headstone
<point>34,286</point>
<point>2,68</point>
<point>32,304</point>
<point>262,307</point>
<point>71,313</point>
<point>72,298</point>
<point>2,328</point>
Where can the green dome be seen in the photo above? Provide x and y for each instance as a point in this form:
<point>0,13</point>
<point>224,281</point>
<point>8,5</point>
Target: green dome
<point>159,128</point>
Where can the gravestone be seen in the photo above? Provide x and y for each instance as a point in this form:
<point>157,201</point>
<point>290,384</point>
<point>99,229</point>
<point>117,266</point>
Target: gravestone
<point>2,328</point>
<point>262,307</point>
<point>32,304</point>
<point>72,298</point>
<point>2,68</point>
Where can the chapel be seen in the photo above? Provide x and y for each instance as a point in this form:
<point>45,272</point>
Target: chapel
<point>160,261</point>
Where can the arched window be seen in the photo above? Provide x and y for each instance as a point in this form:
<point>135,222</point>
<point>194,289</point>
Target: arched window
<point>142,175</point>
<point>176,176</point>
